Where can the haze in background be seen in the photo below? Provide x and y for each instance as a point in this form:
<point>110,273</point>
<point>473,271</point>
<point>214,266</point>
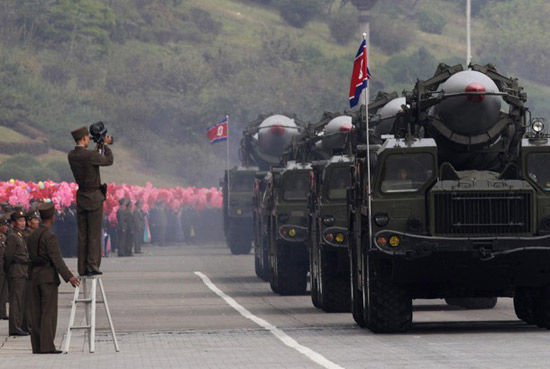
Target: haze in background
<point>159,72</point>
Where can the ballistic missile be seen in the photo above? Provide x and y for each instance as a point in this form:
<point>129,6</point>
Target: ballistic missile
<point>469,117</point>
<point>275,133</point>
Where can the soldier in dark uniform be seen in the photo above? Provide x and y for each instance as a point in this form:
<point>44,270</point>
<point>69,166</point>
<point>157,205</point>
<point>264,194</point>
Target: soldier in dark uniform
<point>162,223</point>
<point>122,231</point>
<point>4,226</point>
<point>139,221</point>
<point>33,221</point>
<point>45,268</point>
<point>89,199</point>
<point>130,227</point>
<point>17,260</point>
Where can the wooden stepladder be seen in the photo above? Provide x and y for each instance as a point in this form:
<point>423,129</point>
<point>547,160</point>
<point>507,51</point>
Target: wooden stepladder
<point>89,299</point>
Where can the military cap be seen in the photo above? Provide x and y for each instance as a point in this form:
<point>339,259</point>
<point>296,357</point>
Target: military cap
<point>4,219</point>
<point>32,214</point>
<point>80,132</point>
<point>17,214</point>
<point>47,210</point>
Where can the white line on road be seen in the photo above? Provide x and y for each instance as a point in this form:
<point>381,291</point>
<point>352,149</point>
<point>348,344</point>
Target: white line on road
<point>279,334</point>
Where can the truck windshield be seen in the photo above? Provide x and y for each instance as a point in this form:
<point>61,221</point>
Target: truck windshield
<point>242,182</point>
<point>338,182</point>
<point>537,167</point>
<point>296,185</point>
<point>407,172</point>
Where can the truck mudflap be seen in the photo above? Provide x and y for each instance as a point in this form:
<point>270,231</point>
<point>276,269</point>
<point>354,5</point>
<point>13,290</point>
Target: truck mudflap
<point>413,246</point>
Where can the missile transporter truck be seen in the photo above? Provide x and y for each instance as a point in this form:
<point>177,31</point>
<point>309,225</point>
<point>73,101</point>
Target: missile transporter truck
<point>329,257</point>
<point>237,188</point>
<point>288,193</point>
<point>457,205</point>
<point>262,144</point>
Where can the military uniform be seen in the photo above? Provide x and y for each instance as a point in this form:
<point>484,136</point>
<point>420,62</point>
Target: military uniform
<point>17,259</point>
<point>89,201</point>
<point>122,232</point>
<point>46,266</point>
<point>130,229</point>
<point>3,279</point>
<point>139,223</point>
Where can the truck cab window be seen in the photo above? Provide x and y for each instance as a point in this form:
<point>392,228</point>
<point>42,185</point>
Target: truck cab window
<point>296,186</point>
<point>406,172</point>
<point>537,169</point>
<point>339,181</point>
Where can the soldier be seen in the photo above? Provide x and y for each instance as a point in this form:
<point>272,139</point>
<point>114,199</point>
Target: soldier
<point>4,224</point>
<point>130,228</point>
<point>139,221</point>
<point>45,268</point>
<point>89,198</point>
<point>122,231</point>
<point>33,221</point>
<point>17,260</point>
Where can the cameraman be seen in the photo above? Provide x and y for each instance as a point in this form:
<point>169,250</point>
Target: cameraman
<point>89,198</point>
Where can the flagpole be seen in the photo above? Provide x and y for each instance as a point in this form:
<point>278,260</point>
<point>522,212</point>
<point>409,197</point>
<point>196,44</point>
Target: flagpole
<point>227,161</point>
<point>468,32</point>
<point>366,93</point>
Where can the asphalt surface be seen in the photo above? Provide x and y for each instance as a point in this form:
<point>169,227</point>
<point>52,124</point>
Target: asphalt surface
<point>168,316</point>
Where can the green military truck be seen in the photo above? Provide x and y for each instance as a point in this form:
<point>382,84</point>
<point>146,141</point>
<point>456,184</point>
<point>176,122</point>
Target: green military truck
<point>329,260</point>
<point>262,144</point>
<point>287,194</point>
<point>457,203</point>
<point>238,208</point>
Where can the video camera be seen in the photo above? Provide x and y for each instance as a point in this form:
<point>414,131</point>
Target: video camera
<point>98,132</point>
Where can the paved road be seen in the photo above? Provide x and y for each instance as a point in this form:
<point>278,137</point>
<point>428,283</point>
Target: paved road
<point>167,317</point>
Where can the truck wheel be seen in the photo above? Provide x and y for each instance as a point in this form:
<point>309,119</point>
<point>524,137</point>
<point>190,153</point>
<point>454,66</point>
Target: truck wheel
<point>257,264</point>
<point>389,307</point>
<point>542,307</point>
<point>238,245</point>
<point>334,289</point>
<point>473,303</point>
<point>525,303</point>
<point>313,279</point>
<point>356,296</point>
<point>289,271</point>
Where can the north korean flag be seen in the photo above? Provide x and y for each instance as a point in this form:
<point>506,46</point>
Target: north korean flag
<point>361,75</point>
<point>218,132</point>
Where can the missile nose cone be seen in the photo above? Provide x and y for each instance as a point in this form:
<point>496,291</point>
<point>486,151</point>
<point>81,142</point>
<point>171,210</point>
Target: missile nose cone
<point>277,130</point>
<point>475,87</point>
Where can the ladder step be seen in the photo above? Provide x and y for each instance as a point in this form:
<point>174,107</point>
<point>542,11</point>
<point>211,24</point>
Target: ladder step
<point>81,327</point>
<point>87,301</point>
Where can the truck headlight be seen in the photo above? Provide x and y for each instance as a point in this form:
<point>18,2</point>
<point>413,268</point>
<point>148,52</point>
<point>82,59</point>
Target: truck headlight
<point>381,219</point>
<point>537,126</point>
<point>328,220</point>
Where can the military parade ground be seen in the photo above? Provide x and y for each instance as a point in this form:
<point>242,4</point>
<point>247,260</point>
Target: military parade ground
<point>166,316</point>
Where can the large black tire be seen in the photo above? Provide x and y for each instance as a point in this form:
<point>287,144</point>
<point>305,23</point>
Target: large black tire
<point>473,303</point>
<point>237,244</point>
<point>288,270</point>
<point>542,307</point>
<point>258,265</point>
<point>334,289</point>
<point>313,281</point>
<point>389,307</point>
<point>356,295</point>
<point>526,301</point>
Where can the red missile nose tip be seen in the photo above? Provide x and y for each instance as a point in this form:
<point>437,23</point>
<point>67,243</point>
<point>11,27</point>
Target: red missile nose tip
<point>475,87</point>
<point>277,130</point>
<point>345,128</point>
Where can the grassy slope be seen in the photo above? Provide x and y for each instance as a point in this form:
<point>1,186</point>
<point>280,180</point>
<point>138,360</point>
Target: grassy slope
<point>243,23</point>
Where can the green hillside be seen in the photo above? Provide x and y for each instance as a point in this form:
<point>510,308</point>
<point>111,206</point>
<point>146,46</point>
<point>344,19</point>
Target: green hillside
<point>158,72</point>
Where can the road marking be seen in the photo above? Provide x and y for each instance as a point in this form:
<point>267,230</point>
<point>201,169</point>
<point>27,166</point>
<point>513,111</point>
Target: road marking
<point>279,334</point>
